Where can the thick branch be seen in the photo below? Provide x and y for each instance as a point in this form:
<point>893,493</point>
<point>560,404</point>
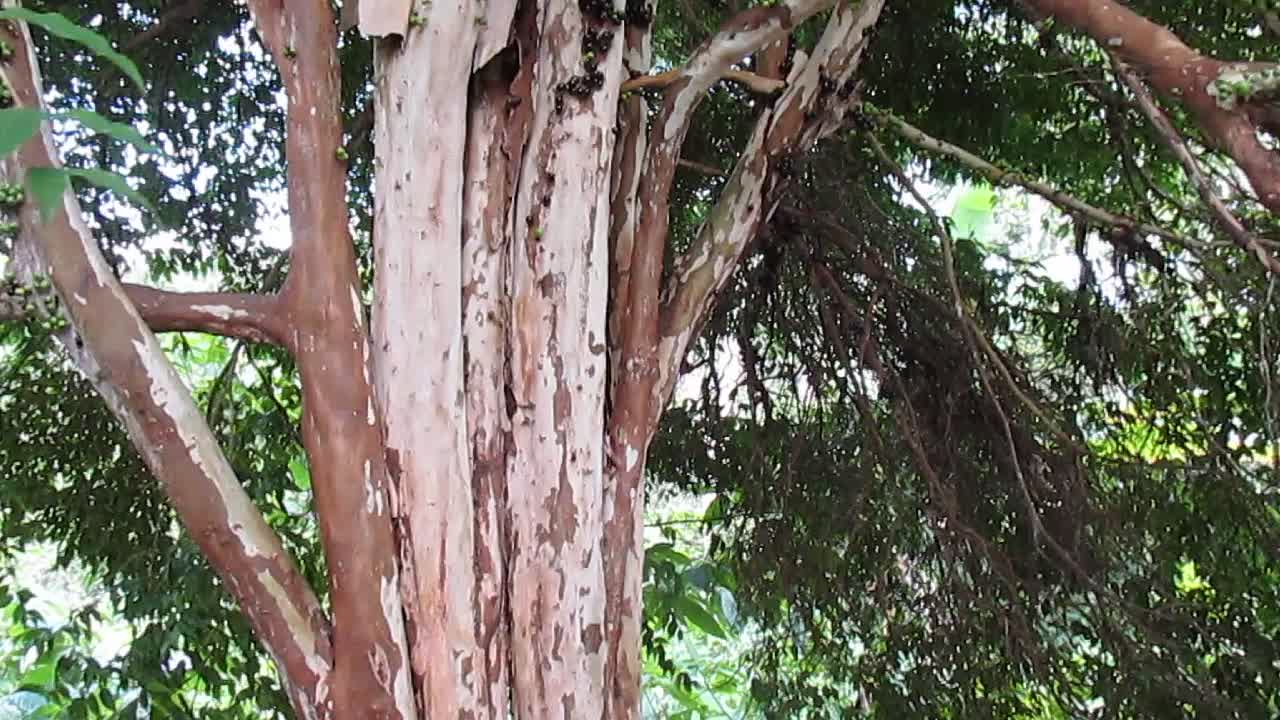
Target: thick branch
<point>637,388</point>
<point>999,176</point>
<point>1179,72</point>
<point>341,432</point>
<point>248,316</point>
<point>112,345</point>
<point>637,311</point>
<point>1232,225</point>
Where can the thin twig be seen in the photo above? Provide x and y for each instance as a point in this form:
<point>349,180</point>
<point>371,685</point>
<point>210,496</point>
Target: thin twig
<point>1173,139</point>
<point>999,176</point>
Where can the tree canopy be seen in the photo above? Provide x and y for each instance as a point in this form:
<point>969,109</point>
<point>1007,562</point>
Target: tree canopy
<point>1013,460</point>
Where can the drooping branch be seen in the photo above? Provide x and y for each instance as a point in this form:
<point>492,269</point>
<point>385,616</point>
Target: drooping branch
<point>111,344</point>
<point>999,176</point>
<point>1229,222</point>
<point>1210,89</point>
<point>341,429</point>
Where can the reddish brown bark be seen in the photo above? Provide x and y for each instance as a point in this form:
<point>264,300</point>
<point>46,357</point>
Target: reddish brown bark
<point>1181,74</point>
<point>340,424</point>
<point>112,345</point>
<point>261,318</point>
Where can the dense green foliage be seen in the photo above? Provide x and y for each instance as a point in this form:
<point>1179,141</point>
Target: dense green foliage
<point>1080,522</point>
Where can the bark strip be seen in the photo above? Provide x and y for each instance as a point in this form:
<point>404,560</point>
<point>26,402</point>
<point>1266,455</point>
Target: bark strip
<point>559,281</point>
<point>417,331</point>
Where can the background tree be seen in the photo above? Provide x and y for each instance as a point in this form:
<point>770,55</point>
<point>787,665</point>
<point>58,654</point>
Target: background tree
<point>1071,481</point>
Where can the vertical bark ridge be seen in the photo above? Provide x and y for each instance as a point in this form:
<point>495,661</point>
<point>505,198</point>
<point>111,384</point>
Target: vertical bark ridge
<point>559,267</point>
<point>420,127</point>
<point>495,138</point>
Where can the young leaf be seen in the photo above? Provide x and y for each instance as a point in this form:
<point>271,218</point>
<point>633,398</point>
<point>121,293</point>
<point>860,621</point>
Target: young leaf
<point>17,125</point>
<point>62,27</point>
<point>301,475</point>
<point>47,186</point>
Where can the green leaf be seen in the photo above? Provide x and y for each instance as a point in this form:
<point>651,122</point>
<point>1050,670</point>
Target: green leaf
<point>301,475</point>
<point>114,182</point>
<point>103,126</point>
<point>667,552</point>
<point>699,616</point>
<point>58,25</point>
<point>47,186</point>
<point>17,125</point>
<point>41,675</point>
<point>974,213</point>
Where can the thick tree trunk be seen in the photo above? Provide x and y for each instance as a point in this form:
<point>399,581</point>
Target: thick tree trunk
<point>477,454</point>
<point>491,239</point>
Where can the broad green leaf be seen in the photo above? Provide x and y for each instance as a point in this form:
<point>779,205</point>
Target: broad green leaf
<point>17,125</point>
<point>47,185</point>
<point>974,213</point>
<point>62,27</point>
<point>667,552</point>
<point>110,181</point>
<point>41,675</point>
<point>699,616</point>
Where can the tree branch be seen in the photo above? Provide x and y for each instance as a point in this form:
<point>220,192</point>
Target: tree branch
<point>341,431</point>
<point>1210,89</point>
<point>638,310</point>
<point>999,176</point>
<point>248,316</point>
<point>818,93</point>
<point>111,344</point>
<point>749,80</point>
<point>1232,225</point>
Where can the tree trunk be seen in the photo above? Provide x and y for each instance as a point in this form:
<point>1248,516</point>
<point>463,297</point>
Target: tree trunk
<point>478,453</point>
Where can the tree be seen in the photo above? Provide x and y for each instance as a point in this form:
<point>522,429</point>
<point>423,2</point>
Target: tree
<point>477,447</point>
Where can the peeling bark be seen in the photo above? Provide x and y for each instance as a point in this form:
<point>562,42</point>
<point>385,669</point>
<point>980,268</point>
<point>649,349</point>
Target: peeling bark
<point>417,332</point>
